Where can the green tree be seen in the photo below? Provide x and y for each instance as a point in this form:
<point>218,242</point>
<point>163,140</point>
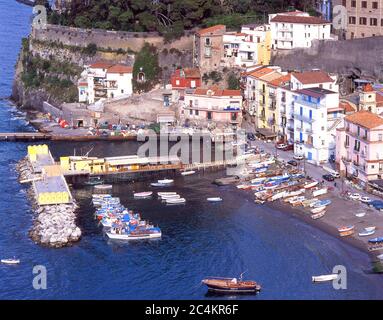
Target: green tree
<point>233,82</point>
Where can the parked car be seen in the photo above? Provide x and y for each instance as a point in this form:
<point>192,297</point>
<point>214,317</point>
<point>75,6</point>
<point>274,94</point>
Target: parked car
<point>292,163</point>
<point>377,204</point>
<point>365,199</point>
<point>328,177</point>
<point>298,157</point>
<point>281,146</point>
<point>288,147</point>
<point>355,196</point>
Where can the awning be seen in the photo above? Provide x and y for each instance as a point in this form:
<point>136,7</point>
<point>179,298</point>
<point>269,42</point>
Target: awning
<point>266,133</point>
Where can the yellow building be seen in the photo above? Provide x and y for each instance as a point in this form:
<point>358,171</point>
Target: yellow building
<point>264,49</point>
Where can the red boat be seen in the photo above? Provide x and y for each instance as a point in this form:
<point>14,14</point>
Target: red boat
<point>230,285</point>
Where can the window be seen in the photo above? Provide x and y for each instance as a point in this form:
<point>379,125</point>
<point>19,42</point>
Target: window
<point>347,143</point>
<point>209,115</point>
<point>344,3</point>
<point>177,82</point>
<point>207,41</point>
<point>380,137</point>
<point>196,112</point>
<point>375,5</point>
<point>373,21</point>
<point>352,20</point>
<point>363,21</point>
<point>353,4</point>
<point>364,4</point>
<point>357,145</point>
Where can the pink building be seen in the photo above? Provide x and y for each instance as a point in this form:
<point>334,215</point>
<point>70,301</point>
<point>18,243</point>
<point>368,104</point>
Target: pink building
<point>213,105</point>
<point>359,146</point>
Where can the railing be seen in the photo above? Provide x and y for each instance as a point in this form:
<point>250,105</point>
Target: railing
<point>262,91</point>
<point>272,106</point>
<point>309,130</point>
<point>309,103</point>
<point>303,118</point>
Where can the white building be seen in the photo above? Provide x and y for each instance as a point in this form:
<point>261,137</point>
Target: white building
<point>105,80</point>
<point>297,29</point>
<point>311,125</point>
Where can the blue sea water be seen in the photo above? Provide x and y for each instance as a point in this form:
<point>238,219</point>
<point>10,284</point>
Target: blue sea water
<point>199,239</point>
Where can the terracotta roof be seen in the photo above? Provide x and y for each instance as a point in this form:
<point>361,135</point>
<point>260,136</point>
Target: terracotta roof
<point>218,27</point>
<point>101,65</point>
<point>365,119</point>
<point>346,106</point>
<point>189,73</point>
<point>258,73</point>
<point>217,92</point>
<point>311,77</point>
<point>298,19</point>
<point>120,68</point>
<point>368,88</point>
<point>281,80</point>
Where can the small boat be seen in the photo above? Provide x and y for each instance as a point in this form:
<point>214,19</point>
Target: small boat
<point>376,240</point>
<point>176,201</point>
<point>153,233</point>
<point>170,196</point>
<point>103,186</point>
<point>143,194</point>
<point>380,257</point>
<point>10,261</point>
<point>346,233</point>
<point>324,278</point>
<point>310,185</point>
<point>365,233</point>
<point>217,199</point>
<point>230,285</point>
<point>345,229</point>
<point>319,192</point>
<point>360,214</point>
<point>318,210</point>
<point>307,202</point>
<point>370,228</point>
<point>297,201</point>
<point>94,181</point>
<point>321,203</point>
<point>187,173</point>
<point>165,181</point>
<point>318,215</point>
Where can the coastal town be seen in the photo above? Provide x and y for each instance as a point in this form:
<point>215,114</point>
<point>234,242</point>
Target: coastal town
<point>230,111</point>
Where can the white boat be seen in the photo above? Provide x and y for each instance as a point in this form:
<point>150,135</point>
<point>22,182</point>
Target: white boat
<point>318,215</point>
<point>346,228</point>
<point>170,196</point>
<point>278,195</point>
<point>187,173</point>
<point>103,186</point>
<point>319,192</point>
<point>360,214</point>
<point>176,201</point>
<point>366,233</point>
<point>380,257</point>
<point>143,194</point>
<point>217,199</point>
<point>165,181</point>
<point>370,228</point>
<point>324,278</point>
<point>126,236</point>
<point>311,185</point>
<point>10,261</point>
<point>160,194</point>
<point>294,193</point>
<point>297,200</point>
<point>308,202</point>
<point>317,210</point>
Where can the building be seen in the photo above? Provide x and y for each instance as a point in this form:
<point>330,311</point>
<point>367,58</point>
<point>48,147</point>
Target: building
<point>371,99</point>
<point>360,146</point>
<point>297,29</point>
<point>183,79</point>
<point>105,80</point>
<point>365,18</point>
<point>208,48</point>
<point>221,107</point>
<point>312,127</point>
<point>314,78</point>
<point>324,7</point>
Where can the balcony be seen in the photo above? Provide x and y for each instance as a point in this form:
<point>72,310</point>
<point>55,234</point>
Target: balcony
<point>303,118</point>
<point>356,151</point>
<point>271,122</point>
<point>346,145</point>
<point>283,112</point>
<point>262,117</point>
<point>272,106</point>
<point>346,160</point>
<point>309,131</point>
<point>262,91</point>
<point>309,103</point>
<point>290,128</point>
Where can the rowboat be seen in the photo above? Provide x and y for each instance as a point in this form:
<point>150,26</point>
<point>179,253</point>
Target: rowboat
<point>170,196</point>
<point>297,200</point>
<point>310,185</point>
<point>160,194</point>
<point>321,203</point>
<point>360,214</point>
<point>165,181</point>
<point>345,229</point>
<point>365,233</point>
<point>103,186</point>
<point>318,209</point>
<point>324,278</point>
<point>370,228</point>
<point>175,201</point>
<point>318,215</point>
<point>346,233</point>
<point>187,173</point>
<point>319,192</point>
<point>217,199</point>
<point>10,261</point>
<point>376,240</point>
<point>143,194</point>
<point>307,202</point>
<point>230,285</point>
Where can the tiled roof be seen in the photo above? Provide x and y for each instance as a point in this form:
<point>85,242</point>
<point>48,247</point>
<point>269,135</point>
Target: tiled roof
<point>120,68</point>
<point>346,106</point>
<point>218,27</point>
<point>217,92</point>
<point>281,80</point>
<point>365,119</point>
<point>368,88</point>
<point>379,99</point>
<point>258,73</point>
<point>189,72</point>
<point>311,77</point>
<point>315,92</point>
<point>101,65</point>
<point>298,19</point>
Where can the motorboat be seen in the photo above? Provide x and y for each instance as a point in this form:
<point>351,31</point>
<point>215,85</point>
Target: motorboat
<point>376,240</point>
<point>94,181</point>
<point>365,233</point>
<point>216,199</point>
<point>231,285</point>
<point>10,261</point>
<point>346,228</point>
<point>176,201</point>
<point>143,194</point>
<point>380,257</point>
<point>324,278</point>
<point>318,209</point>
<point>321,203</point>
<point>187,173</point>
<point>373,228</point>
<point>170,196</point>
<point>152,233</point>
<point>165,181</point>
<point>310,185</point>
<point>160,194</point>
<point>318,215</point>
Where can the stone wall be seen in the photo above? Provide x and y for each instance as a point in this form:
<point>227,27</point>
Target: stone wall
<point>108,39</point>
<point>359,58</point>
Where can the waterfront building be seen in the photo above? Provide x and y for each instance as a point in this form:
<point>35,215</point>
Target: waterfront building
<point>208,48</point>
<point>359,146</point>
<point>183,79</point>
<point>207,106</point>
<point>297,29</point>
<point>105,80</point>
<point>365,18</point>
<point>314,121</point>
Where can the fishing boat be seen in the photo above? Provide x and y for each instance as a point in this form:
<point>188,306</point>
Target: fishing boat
<point>346,228</point>
<point>103,186</point>
<point>310,185</point>
<point>187,173</point>
<point>318,209</point>
<point>321,203</point>
<point>360,214</point>
<point>94,181</point>
<point>165,181</point>
<point>216,199</point>
<point>160,194</point>
<point>118,234</point>
<point>376,240</point>
<point>318,215</point>
<point>346,233</point>
<point>170,196</point>
<point>324,278</point>
<point>176,201</point>
<point>143,194</point>
<point>373,228</point>
<point>231,285</point>
<point>319,192</point>
<point>366,233</point>
<point>10,261</point>
<point>297,201</point>
<point>307,202</point>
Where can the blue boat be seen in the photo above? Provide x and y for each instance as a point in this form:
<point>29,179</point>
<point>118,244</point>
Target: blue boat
<point>321,203</point>
<point>376,240</point>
